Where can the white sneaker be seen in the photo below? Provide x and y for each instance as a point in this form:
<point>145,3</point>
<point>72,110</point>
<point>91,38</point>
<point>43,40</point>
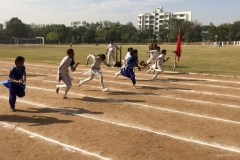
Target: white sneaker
<point>80,83</point>
<point>57,90</point>
<point>104,89</point>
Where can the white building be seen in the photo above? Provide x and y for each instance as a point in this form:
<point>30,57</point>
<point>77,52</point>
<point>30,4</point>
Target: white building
<point>156,19</point>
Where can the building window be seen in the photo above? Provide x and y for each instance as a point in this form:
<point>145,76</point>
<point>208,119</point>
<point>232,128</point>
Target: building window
<point>161,17</point>
<point>182,15</point>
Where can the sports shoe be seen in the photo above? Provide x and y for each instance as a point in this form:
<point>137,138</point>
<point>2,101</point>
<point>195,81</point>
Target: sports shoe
<point>104,89</point>
<point>13,109</point>
<point>80,83</point>
<point>64,97</point>
<point>57,90</point>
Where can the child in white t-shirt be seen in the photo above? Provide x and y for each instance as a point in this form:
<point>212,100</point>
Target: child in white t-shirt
<point>158,66</point>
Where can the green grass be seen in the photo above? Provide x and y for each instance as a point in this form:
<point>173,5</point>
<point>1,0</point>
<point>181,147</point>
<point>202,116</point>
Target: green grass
<point>209,60</point>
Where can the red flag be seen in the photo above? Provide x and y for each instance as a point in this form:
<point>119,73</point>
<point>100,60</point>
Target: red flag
<point>178,47</point>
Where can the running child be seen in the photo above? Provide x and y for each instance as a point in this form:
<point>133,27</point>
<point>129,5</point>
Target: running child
<point>95,69</point>
<point>128,67</point>
<point>130,50</point>
<point>16,82</point>
<point>152,56</point>
<point>63,72</point>
<point>158,66</point>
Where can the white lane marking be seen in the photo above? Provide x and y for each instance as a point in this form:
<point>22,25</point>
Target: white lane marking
<point>32,134</point>
<point>145,106</point>
<point>214,145</point>
<point>176,77</point>
<point>149,94</point>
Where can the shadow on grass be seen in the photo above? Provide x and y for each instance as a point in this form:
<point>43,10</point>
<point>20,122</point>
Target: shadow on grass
<point>34,120</point>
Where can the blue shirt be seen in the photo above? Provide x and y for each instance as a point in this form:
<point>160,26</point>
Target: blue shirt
<point>17,74</point>
<point>132,61</point>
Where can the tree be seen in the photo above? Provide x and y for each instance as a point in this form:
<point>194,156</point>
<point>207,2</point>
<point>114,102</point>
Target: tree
<point>16,28</point>
<point>53,37</point>
<point>212,32</point>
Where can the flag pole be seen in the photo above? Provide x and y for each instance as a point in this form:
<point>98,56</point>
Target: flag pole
<point>178,51</point>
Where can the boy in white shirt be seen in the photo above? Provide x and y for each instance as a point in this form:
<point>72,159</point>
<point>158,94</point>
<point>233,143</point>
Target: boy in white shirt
<point>152,56</point>
<point>63,72</point>
<point>158,66</point>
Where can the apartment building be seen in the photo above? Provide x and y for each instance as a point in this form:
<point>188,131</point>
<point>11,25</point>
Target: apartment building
<point>156,19</point>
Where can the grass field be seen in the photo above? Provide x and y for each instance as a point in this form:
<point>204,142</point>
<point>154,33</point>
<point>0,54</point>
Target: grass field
<point>208,60</point>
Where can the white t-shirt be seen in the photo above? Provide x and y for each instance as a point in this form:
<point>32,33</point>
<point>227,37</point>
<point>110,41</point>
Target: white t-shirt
<point>111,47</point>
<point>63,67</point>
<point>155,54</point>
<point>127,55</point>
<point>161,58</point>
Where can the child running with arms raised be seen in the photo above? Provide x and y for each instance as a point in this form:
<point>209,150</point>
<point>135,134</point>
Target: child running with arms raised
<point>63,72</point>
<point>95,69</point>
<point>16,82</point>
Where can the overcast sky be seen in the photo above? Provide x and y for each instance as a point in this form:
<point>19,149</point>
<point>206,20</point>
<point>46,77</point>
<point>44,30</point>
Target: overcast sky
<point>67,11</point>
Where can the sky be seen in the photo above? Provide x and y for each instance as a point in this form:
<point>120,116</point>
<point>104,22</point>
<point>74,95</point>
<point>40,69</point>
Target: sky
<point>123,11</point>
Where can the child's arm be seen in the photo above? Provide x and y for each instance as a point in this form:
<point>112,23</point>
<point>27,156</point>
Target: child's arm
<point>106,63</point>
<point>16,81</point>
<point>165,60</point>
<point>73,68</point>
<point>88,57</point>
<point>25,77</point>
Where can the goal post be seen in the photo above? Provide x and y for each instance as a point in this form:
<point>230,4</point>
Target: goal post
<point>29,41</point>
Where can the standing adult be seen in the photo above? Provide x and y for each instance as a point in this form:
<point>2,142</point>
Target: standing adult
<point>111,51</point>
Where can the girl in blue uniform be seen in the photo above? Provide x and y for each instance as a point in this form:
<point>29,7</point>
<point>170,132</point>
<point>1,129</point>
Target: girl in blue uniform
<point>16,82</point>
<point>128,69</point>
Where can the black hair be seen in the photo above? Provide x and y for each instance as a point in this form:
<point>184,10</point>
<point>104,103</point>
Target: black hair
<point>164,51</point>
<point>70,50</point>
<point>102,56</point>
<point>130,49</point>
<point>111,39</point>
<point>135,51</point>
<point>157,47</point>
<point>18,59</point>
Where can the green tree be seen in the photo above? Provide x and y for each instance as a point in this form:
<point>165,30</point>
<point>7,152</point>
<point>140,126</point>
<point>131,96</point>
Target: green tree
<point>52,37</point>
<point>16,28</point>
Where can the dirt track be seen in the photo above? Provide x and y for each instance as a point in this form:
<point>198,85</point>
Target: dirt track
<point>178,116</point>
